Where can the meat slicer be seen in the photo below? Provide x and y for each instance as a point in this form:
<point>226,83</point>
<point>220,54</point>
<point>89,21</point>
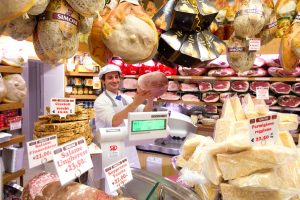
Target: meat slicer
<point>180,126</point>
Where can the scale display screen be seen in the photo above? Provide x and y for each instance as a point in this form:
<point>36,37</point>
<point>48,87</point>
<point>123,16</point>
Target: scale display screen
<point>148,125</point>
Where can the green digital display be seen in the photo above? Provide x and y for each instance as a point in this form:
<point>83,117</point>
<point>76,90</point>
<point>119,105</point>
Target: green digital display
<point>148,125</point>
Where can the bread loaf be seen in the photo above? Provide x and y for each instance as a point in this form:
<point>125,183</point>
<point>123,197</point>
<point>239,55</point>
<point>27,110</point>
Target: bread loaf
<point>21,27</point>
<point>39,7</point>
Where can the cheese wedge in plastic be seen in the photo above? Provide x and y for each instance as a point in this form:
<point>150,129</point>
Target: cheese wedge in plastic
<point>249,107</point>
<point>207,191</point>
<point>287,126</point>
<point>261,107</point>
<point>287,117</point>
<point>242,127</point>
<point>227,110</point>
<point>211,169</point>
<point>230,192</point>
<point>287,139</point>
<point>241,164</point>
<point>224,128</point>
<point>237,108</point>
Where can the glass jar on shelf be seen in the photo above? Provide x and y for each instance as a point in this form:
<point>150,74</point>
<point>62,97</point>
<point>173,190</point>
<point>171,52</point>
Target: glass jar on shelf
<point>91,91</point>
<point>85,90</point>
<point>74,90</point>
<point>80,90</point>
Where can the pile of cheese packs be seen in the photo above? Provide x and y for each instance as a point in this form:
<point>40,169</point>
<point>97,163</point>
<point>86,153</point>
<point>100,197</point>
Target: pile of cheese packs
<point>233,167</point>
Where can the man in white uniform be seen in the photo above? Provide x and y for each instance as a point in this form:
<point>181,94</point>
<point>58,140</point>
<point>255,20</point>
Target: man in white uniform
<point>112,108</point>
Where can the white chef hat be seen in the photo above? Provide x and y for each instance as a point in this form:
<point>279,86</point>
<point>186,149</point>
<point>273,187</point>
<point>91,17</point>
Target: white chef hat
<point>109,68</point>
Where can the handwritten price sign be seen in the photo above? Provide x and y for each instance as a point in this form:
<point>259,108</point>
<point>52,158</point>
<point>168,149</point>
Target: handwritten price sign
<point>71,160</point>
<point>62,106</point>
<point>264,130</point>
<point>39,151</point>
<point>118,174</point>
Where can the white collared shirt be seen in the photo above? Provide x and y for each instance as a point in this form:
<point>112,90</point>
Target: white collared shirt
<point>105,110</point>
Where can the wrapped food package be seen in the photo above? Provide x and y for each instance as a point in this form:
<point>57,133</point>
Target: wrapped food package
<point>16,88</point>
<point>3,90</point>
<point>87,8</point>
<point>285,11</point>
<point>163,17</point>
<point>249,107</point>
<point>268,33</point>
<point>214,44</point>
<point>249,20</point>
<point>184,16</point>
<point>123,39</point>
<point>97,49</point>
<point>13,9</point>
<point>207,13</point>
<point>85,24</point>
<point>295,44</point>
<point>156,82</point>
<point>21,27</point>
<point>39,7</point>
<point>238,55</point>
<point>58,38</point>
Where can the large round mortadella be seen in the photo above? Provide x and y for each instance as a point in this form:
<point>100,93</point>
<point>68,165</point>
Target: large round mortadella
<point>156,82</point>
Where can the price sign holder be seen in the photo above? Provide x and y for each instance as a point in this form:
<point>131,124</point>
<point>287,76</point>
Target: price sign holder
<point>39,151</point>
<point>71,160</point>
<point>263,130</point>
<point>262,93</point>
<point>118,174</point>
<point>62,106</point>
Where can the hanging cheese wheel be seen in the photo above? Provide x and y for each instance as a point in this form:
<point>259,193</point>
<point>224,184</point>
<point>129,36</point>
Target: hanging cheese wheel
<point>85,24</point>
<point>21,27</point>
<point>58,30</point>
<point>87,8</point>
<point>129,33</point>
<point>11,9</point>
<point>39,7</point>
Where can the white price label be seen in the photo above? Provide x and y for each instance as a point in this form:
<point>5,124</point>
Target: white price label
<point>263,130</point>
<point>118,174</point>
<point>62,106</point>
<point>71,160</point>
<point>96,83</point>
<point>15,125</point>
<point>40,151</point>
<point>254,44</point>
<point>262,93</point>
<point>68,89</point>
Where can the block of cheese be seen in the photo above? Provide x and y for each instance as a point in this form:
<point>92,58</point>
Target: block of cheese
<point>207,191</point>
<point>224,128</point>
<point>227,110</point>
<point>192,142</point>
<point>288,117</point>
<point>241,164</point>
<point>233,144</point>
<point>230,192</point>
<point>211,169</point>
<point>242,127</point>
<point>180,161</point>
<point>261,107</point>
<point>237,108</point>
<point>287,126</point>
<point>287,139</point>
<point>249,107</point>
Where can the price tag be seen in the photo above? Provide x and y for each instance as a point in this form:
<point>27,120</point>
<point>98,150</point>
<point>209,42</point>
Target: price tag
<point>40,151</point>
<point>15,125</point>
<point>262,93</point>
<point>68,89</point>
<point>96,83</point>
<point>71,160</point>
<point>263,130</point>
<point>118,174</point>
<point>254,44</point>
<point>62,106</point>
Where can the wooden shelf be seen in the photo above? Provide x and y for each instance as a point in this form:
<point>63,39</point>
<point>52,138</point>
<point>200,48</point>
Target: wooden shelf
<point>10,69</point>
<point>4,129</point>
<point>15,139</point>
<point>11,106</point>
<point>83,97</point>
<point>12,176</point>
<point>81,74</point>
<point>189,102</point>
<point>208,78</point>
<point>284,108</point>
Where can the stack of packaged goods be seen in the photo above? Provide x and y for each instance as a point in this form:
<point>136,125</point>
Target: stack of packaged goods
<point>66,129</point>
<point>234,166</point>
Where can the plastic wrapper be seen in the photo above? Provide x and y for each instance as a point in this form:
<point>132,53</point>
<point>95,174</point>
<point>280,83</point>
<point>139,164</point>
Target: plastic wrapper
<point>257,158</point>
<point>285,11</point>
<point>168,71</point>
<point>250,19</point>
<point>207,191</point>
<point>119,33</point>
<point>238,55</point>
<point>184,16</point>
<point>249,107</point>
<point>215,45</point>
<point>21,27</point>
<point>286,139</point>
<point>163,17</point>
<point>207,13</point>
<point>16,88</point>
<point>261,107</point>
